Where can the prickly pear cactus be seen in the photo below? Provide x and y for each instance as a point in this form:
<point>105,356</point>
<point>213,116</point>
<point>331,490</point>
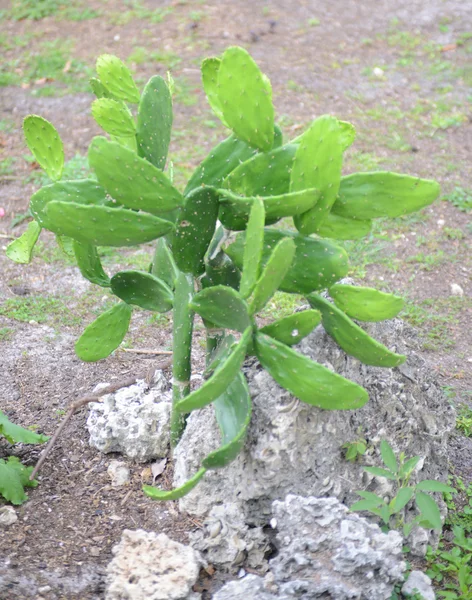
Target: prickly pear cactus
<point>216,253</point>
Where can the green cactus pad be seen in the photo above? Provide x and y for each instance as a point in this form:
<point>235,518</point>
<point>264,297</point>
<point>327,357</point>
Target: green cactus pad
<point>342,228</point>
<point>114,117</point>
<point>104,226</point>
<point>266,174</point>
<point>292,329</point>
<point>45,145</point>
<point>223,159</point>
<point>163,264</point>
<point>307,380</point>
<point>223,307</point>
<point>273,274</point>
<point>253,244</point>
<point>105,334</point>
<point>21,249</point>
<point>221,270</point>
<point>83,191</point>
<point>155,122</point>
<point>348,134</point>
<point>364,303</point>
<point>352,339</point>
<point>233,411</point>
<point>383,194</point>
<point>175,494</point>
<point>195,230</point>
<point>99,90</point>
<point>131,180</point>
<point>317,264</point>
<point>116,77</point>
<point>143,290</point>
<point>317,164</point>
<point>226,371</point>
<point>245,99</point>
<point>89,263</point>
<point>210,68</point>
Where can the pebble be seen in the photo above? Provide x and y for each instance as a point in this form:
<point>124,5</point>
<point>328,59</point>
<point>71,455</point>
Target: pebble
<point>8,516</point>
<point>378,72</point>
<point>119,473</point>
<point>456,290</point>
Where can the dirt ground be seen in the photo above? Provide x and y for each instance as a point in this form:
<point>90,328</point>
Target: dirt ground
<point>399,70</point>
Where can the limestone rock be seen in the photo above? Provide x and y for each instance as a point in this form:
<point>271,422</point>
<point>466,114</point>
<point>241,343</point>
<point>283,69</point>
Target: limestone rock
<point>148,566</point>
<point>419,583</point>
<point>118,472</point>
<point>250,587</point>
<point>296,448</point>
<point>8,516</point>
<point>133,421</point>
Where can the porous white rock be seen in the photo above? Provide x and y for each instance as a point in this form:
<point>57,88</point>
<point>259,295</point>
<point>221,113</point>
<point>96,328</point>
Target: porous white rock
<point>8,516</point>
<point>419,583</point>
<point>134,420</point>
<point>250,587</point>
<point>150,566</point>
<point>118,472</point>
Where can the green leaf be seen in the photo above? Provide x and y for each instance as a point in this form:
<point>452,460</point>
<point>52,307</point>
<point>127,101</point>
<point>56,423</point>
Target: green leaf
<point>21,249</point>
<point>273,274</point>
<point>383,194</point>
<point>307,380</point>
<point>226,371</point>
<point>105,334</point>
<point>364,303</point>
<point>223,307</point>
<point>429,510</point>
<point>253,245</point>
<point>317,263</point>
<point>195,230</point>
<point>117,78</point>
<point>14,477</point>
<point>317,164</point>
<point>343,228</point>
<point>142,289</point>
<point>245,98</point>
<point>132,180</point>
<point>155,122</point>
<point>45,144</point>
<point>104,226</point>
<point>180,492</point>
<point>114,117</point>
<point>163,264</point>
<point>378,472</point>
<point>89,263</point>
<point>16,434</point>
<point>388,456</point>
<point>210,67</point>
<point>368,505</point>
<point>233,414</point>
<point>405,494</point>
<point>428,485</point>
<point>352,339</point>
<point>374,498</point>
<point>407,468</point>
<point>292,329</point>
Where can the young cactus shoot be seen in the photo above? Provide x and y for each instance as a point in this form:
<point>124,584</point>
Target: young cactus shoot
<point>217,253</point>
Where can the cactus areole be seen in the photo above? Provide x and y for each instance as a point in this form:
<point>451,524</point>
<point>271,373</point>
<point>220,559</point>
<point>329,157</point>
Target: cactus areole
<point>216,253</point>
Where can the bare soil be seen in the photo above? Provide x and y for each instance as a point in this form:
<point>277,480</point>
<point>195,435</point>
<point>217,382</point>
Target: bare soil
<point>399,70</point>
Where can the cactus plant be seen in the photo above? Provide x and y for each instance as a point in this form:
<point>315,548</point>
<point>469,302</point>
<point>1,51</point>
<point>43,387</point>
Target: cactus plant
<point>216,253</point>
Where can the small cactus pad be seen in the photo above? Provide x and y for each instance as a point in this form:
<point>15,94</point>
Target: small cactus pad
<point>99,89</point>
<point>364,303</point>
<point>114,117</point>
<point>155,122</point>
<point>266,174</point>
<point>318,163</point>
<point>82,191</point>
<point>348,134</point>
<point>195,230</point>
<point>383,194</point>
<point>253,244</point>
<point>318,263</point>
<point>223,307</point>
<point>143,290</point>
<point>343,228</point>
<point>246,99</point>
<point>307,380</point>
<point>352,339</point>
<point>210,68</point>
<point>116,77</point>
<point>105,334</point>
<point>104,226</point>
<point>292,329</point>
<point>21,249</point>
<point>45,144</point>
<point>163,264</point>
<point>89,263</point>
<point>131,180</point>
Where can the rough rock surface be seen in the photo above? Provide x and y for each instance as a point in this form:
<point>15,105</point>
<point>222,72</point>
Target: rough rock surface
<point>133,420</point>
<point>118,472</point>
<point>419,583</point>
<point>295,448</point>
<point>147,566</point>
<point>324,551</point>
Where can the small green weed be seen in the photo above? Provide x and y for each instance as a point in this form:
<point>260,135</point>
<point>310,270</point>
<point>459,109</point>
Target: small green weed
<point>40,309</point>
<point>464,421</point>
<point>6,334</point>
<point>460,198</point>
<point>354,450</point>
<point>137,11</point>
